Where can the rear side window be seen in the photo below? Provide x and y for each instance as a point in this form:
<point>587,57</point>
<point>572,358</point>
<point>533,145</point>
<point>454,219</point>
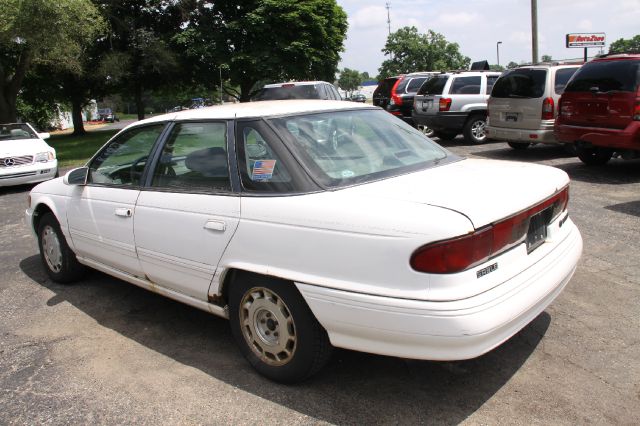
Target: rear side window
<point>466,86</point>
<point>562,78</point>
<point>415,84</point>
<point>491,80</point>
<point>434,86</point>
<point>402,85</point>
<point>606,76</point>
<point>521,83</point>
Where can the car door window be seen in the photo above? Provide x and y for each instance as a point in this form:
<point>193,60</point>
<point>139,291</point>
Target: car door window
<point>122,161</point>
<point>491,80</point>
<point>194,159</point>
<point>466,86</point>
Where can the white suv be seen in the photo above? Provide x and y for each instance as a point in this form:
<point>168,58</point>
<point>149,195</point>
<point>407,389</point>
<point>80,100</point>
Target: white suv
<point>453,103</point>
<point>523,104</point>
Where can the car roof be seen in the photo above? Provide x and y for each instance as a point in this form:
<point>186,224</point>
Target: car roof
<point>295,83</point>
<point>254,110</point>
<point>617,56</point>
<point>546,66</point>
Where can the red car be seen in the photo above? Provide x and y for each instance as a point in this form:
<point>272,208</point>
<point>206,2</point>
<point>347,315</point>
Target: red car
<point>599,110</point>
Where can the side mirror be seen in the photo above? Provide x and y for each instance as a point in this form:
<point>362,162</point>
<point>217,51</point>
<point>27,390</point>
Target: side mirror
<point>45,135</point>
<point>76,176</point>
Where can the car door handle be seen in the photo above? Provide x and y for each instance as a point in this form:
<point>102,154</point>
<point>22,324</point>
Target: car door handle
<point>123,211</point>
<point>215,225</point>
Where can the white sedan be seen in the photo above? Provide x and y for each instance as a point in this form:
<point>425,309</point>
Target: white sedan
<point>24,155</point>
<point>313,224</point>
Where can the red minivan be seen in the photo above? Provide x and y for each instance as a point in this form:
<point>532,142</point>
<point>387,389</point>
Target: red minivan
<point>599,110</point>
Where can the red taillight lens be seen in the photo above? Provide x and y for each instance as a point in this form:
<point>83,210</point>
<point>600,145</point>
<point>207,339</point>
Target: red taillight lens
<point>460,253</point>
<point>547,109</point>
<point>636,110</point>
<point>445,104</point>
<point>395,99</point>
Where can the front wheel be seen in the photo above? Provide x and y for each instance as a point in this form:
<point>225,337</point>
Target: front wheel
<point>595,156</point>
<point>475,129</point>
<point>58,259</point>
<point>276,330</point>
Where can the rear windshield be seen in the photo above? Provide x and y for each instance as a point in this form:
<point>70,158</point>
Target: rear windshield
<point>415,84</point>
<point>521,83</point>
<point>606,76</point>
<point>562,78</point>
<point>434,86</point>
<point>385,86</point>
<point>307,91</point>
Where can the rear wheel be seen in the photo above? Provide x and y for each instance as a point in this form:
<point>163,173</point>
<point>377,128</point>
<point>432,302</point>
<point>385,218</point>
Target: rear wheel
<point>276,330</point>
<point>594,156</point>
<point>475,129</point>
<point>58,259</point>
<point>519,145</point>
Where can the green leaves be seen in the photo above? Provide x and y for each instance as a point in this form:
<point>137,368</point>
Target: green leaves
<point>411,51</point>
<point>622,45</point>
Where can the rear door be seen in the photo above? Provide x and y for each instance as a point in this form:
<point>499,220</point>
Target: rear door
<point>516,99</point>
<point>602,94</point>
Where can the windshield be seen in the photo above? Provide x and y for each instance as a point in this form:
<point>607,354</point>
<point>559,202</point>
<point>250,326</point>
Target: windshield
<point>306,91</point>
<point>606,76</point>
<point>521,83</point>
<point>346,147</point>
<point>16,131</point>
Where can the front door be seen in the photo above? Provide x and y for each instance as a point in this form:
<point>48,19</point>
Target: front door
<point>187,216</point>
<point>101,213</point>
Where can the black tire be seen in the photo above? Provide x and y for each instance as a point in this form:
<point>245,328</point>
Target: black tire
<point>570,149</point>
<point>57,258</point>
<point>257,308</point>
<point>474,130</point>
<point>595,156</point>
<point>519,145</point>
<point>446,136</point>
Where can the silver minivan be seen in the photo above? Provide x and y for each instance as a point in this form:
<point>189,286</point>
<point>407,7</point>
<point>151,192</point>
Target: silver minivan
<point>523,104</point>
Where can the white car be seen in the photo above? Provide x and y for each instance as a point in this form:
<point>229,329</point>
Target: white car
<point>312,224</point>
<point>24,155</point>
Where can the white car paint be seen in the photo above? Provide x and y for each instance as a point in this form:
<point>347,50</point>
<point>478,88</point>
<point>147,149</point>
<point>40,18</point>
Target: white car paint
<point>31,172</point>
<point>347,250</point>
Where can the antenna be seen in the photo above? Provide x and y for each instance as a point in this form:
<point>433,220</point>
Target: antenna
<point>388,6</point>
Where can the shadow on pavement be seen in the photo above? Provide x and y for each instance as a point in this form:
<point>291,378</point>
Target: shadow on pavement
<point>353,388</point>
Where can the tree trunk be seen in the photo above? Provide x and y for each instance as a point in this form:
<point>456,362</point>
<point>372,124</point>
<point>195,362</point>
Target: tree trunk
<point>10,86</point>
<point>245,90</point>
<point>139,102</point>
<point>7,111</point>
<point>76,116</point>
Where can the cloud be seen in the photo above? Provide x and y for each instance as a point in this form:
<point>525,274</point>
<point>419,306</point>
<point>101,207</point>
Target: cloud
<point>458,19</point>
<point>368,17</point>
<point>585,25</point>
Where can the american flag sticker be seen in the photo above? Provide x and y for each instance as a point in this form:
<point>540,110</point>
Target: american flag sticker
<point>263,170</point>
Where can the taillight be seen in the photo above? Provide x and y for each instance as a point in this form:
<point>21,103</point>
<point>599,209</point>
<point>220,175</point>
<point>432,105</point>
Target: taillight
<point>636,111</point>
<point>460,253</point>
<point>395,99</point>
<point>444,104</point>
<point>547,109</point>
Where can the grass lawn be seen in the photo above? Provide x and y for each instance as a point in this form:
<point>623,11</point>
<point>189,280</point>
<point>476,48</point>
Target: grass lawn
<point>73,151</point>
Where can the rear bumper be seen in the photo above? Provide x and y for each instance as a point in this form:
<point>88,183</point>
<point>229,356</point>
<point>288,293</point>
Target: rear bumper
<point>453,330</point>
<point>627,138</point>
<point>522,135</point>
<point>442,121</point>
<point>32,173</point>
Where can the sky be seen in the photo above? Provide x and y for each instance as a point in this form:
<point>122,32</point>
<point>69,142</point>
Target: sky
<point>477,25</point>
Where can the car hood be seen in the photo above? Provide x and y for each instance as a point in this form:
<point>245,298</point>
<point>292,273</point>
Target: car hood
<point>484,191</point>
<point>9,148</point>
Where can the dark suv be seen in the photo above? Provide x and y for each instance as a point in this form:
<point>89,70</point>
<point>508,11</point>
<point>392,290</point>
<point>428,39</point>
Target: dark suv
<point>395,94</point>
<point>599,110</point>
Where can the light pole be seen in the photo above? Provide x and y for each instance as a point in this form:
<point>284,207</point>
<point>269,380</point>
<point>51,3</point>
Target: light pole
<point>498,51</point>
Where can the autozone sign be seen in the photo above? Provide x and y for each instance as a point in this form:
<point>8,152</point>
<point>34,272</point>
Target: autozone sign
<point>586,40</point>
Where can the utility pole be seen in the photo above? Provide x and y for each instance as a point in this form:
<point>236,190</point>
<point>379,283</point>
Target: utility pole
<point>534,31</point>
<point>498,51</point>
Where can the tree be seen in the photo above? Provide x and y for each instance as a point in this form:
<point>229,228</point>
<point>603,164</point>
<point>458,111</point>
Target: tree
<point>495,67</point>
<point>411,51</point>
<point>511,65</point>
<point>349,80</point>
<point>546,58</point>
<point>626,45</point>
<point>34,32</point>
<point>274,40</point>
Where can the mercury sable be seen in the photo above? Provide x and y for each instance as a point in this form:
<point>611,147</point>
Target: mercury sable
<point>316,224</point>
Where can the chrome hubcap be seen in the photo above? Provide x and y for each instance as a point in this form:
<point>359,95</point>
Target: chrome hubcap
<point>51,249</point>
<point>267,326</point>
<point>478,130</point>
<point>425,130</point>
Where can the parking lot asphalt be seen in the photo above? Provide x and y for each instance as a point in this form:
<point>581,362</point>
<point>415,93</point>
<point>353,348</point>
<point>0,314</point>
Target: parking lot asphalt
<point>104,351</point>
